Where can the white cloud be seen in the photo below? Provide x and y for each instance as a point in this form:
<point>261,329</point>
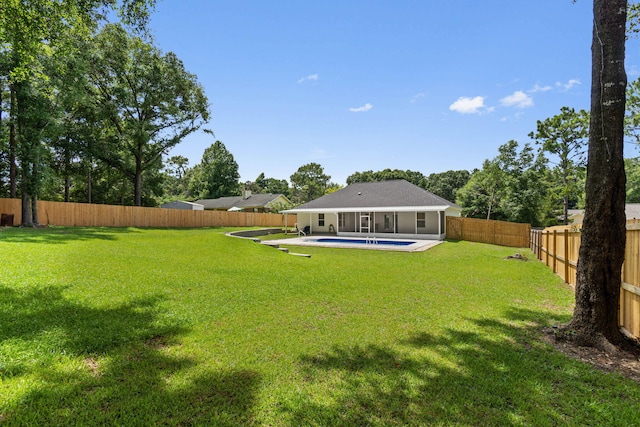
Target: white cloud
<point>518,99</point>
<point>466,105</point>
<point>365,107</point>
<point>416,97</point>
<point>538,88</point>
<point>568,85</point>
<point>311,77</point>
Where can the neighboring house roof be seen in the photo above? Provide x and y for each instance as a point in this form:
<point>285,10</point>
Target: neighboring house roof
<point>181,204</point>
<point>631,210</point>
<point>399,195</point>
<point>252,201</point>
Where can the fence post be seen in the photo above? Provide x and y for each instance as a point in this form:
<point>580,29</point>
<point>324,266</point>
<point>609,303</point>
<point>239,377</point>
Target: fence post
<point>555,249</point>
<point>566,255</point>
<point>546,246</point>
<point>540,245</point>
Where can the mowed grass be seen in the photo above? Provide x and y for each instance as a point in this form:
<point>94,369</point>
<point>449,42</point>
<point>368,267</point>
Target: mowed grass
<point>191,327</point>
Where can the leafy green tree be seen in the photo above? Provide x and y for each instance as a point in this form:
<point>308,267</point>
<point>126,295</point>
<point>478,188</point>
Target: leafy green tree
<point>174,182</point>
<point>413,177</point>
<point>447,184</point>
<point>217,174</point>
<point>632,170</point>
<point>332,187</point>
<point>565,137</point>
<point>30,33</point>
<point>262,184</point>
<point>509,187</point>
<point>367,176</point>
<point>308,183</point>
<point>148,101</point>
<point>277,186</point>
<point>482,193</point>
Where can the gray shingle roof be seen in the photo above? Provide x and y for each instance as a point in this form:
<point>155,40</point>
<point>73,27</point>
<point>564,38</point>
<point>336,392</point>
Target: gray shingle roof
<point>253,201</point>
<point>391,194</point>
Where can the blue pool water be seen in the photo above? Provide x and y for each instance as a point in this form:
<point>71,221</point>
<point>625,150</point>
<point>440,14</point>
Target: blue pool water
<point>363,241</point>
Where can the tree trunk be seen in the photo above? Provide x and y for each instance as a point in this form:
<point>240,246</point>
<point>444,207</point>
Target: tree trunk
<point>34,210</point>
<point>595,318</point>
<point>89,182</point>
<point>1,104</point>
<point>13,172</point>
<point>137,184</point>
<point>67,171</point>
<point>27,220</point>
<point>67,188</point>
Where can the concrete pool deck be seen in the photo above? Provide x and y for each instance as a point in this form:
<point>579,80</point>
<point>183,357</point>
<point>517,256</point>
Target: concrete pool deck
<point>415,246</point>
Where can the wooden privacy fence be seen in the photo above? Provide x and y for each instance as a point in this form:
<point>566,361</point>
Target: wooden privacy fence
<point>488,231</point>
<point>558,247</point>
<point>90,215</point>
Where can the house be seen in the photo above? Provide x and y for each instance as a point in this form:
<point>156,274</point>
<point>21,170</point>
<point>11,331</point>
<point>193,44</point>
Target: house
<point>378,209</point>
<point>631,210</point>
<point>246,202</point>
<point>179,204</point>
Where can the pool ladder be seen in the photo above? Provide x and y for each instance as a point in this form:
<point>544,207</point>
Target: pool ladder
<point>371,241</point>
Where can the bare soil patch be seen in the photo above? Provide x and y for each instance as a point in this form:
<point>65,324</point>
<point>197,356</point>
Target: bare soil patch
<point>625,361</point>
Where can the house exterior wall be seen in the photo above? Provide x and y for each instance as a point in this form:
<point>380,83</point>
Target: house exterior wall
<point>431,223</point>
<point>406,222</point>
<point>398,224</point>
<point>279,202</point>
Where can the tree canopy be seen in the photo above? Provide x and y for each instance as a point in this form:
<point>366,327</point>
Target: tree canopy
<point>33,35</point>
<point>146,101</point>
<point>308,182</point>
<point>509,187</point>
<point>216,175</point>
<point>565,137</point>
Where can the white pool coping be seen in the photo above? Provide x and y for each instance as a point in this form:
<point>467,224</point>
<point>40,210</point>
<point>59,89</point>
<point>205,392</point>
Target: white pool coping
<point>416,246</point>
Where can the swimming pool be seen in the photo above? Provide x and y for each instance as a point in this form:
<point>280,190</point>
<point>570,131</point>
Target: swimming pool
<point>370,241</point>
<point>362,243</point>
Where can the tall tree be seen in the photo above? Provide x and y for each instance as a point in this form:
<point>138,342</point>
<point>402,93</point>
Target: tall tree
<point>216,175</point>
<point>509,187</point>
<point>565,137</point>
<point>149,103</point>
<point>632,170</point>
<point>30,32</point>
<point>595,317</point>
<point>262,184</point>
<point>175,183</point>
<point>447,184</point>
<point>308,182</point>
<point>416,178</point>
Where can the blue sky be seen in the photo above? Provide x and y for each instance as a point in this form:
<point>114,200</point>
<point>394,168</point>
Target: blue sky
<point>423,85</point>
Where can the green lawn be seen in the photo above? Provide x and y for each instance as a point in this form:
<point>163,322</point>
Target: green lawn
<point>191,327</point>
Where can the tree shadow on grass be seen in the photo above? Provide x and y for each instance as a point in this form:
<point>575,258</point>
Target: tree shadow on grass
<point>58,235</point>
<point>77,365</point>
<point>501,373</point>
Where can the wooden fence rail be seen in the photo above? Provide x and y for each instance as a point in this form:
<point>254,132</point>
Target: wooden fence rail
<point>90,215</point>
<point>558,247</point>
<point>488,231</point>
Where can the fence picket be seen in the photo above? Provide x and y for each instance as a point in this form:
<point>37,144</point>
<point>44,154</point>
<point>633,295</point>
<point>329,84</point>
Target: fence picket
<point>488,231</point>
<point>90,215</point>
<point>630,289</point>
